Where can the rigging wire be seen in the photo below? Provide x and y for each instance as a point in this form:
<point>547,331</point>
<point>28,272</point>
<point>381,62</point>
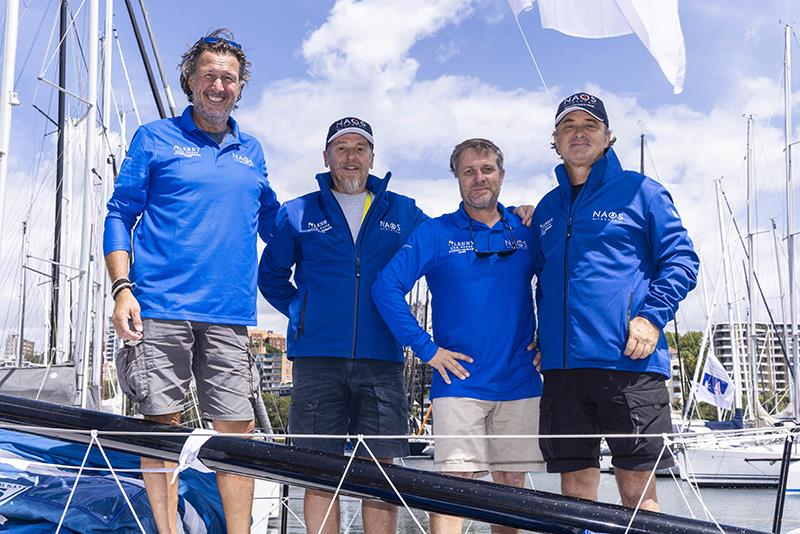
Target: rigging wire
<point>24,63</point>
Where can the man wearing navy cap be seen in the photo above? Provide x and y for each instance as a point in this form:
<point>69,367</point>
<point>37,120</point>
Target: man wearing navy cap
<point>613,263</point>
<point>347,375</point>
<point>198,188</point>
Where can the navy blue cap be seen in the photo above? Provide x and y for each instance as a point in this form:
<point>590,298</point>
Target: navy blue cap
<point>350,125</point>
<point>583,102</point>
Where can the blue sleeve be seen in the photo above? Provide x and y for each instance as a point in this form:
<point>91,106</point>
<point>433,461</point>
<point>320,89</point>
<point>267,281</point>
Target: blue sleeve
<point>275,267</point>
<point>419,217</point>
<point>411,262</point>
<point>130,193</point>
<point>676,262</point>
<point>268,205</point>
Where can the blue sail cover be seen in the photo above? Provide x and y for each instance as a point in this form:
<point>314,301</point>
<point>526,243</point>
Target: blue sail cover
<point>33,496</point>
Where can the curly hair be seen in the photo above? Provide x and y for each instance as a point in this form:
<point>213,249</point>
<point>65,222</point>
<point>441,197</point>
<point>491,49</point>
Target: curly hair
<point>223,45</point>
<point>479,145</point>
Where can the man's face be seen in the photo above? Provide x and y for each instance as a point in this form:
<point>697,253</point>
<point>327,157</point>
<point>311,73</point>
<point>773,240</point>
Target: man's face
<point>479,178</point>
<point>349,158</point>
<point>581,139</point>
<point>215,88</point>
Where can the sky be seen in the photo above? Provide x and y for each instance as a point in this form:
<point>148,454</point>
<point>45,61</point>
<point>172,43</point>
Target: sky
<point>428,74</point>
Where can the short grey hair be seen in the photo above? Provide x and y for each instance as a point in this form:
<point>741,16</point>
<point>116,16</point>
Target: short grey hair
<point>479,145</point>
<point>188,65</point>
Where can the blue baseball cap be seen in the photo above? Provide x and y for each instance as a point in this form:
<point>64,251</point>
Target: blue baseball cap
<point>583,102</point>
<point>350,125</point>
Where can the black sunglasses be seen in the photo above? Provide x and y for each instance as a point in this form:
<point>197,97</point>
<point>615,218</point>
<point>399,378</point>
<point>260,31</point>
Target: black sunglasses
<point>212,40</point>
<point>489,253</point>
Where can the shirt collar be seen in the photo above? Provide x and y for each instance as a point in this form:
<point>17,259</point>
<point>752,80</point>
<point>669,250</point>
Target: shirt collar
<point>188,124</point>
<point>463,218</point>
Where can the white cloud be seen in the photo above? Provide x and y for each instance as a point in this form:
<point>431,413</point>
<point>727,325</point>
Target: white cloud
<point>417,122</point>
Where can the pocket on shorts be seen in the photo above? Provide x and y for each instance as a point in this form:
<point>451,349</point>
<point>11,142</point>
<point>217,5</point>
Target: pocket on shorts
<point>646,406</point>
<point>131,370</point>
<point>546,427</point>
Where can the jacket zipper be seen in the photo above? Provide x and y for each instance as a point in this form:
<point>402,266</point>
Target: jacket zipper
<point>566,286</point>
<point>357,252</point>
<point>358,283</point>
<point>572,206</point>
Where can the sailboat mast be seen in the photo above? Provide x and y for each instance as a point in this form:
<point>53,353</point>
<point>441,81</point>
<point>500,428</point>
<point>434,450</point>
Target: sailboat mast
<point>145,61</point>
<point>62,112</point>
<point>7,97</point>
<point>726,267</point>
<point>154,45</point>
<point>22,287</point>
<point>751,338</point>
<point>83,344</point>
<point>787,133</point>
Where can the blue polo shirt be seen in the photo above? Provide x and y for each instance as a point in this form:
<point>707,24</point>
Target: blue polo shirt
<point>199,206</point>
<point>482,306</point>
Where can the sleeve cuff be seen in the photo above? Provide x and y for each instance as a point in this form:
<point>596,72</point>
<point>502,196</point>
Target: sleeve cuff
<point>428,351</point>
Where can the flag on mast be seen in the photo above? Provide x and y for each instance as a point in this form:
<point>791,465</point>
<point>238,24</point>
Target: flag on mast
<point>716,386</point>
<point>655,23</point>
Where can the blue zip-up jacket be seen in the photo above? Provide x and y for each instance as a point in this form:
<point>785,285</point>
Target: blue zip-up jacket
<point>482,307</point>
<point>199,207</point>
<point>618,251</point>
<point>330,310</point>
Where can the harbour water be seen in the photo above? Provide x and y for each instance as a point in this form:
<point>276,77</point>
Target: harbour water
<point>745,507</point>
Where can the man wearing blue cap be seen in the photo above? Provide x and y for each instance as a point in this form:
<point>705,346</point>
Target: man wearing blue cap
<point>347,370</point>
<point>614,261</point>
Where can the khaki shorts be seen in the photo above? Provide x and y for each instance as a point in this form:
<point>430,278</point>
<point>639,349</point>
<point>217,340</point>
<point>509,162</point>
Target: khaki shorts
<point>157,370</point>
<point>464,416</point>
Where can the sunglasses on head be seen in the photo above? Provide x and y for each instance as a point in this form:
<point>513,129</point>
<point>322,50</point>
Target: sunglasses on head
<point>504,253</point>
<point>212,40</point>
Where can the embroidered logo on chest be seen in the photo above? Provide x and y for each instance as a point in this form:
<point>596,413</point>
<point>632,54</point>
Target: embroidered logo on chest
<point>244,160</point>
<point>321,227</point>
<point>186,151</point>
<point>545,227</point>
<point>387,226</point>
<point>608,216</point>
<point>458,247</point>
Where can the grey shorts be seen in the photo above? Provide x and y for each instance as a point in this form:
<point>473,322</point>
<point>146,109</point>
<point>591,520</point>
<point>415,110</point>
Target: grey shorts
<point>156,371</point>
<point>339,396</point>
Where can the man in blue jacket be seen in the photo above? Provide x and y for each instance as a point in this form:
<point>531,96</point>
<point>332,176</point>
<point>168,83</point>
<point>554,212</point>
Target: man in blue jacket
<point>198,188</point>
<point>614,261</point>
<point>347,375</point>
<point>478,264</point>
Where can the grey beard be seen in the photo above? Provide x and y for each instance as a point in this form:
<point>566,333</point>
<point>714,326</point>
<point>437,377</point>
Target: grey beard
<point>217,119</point>
<point>349,187</point>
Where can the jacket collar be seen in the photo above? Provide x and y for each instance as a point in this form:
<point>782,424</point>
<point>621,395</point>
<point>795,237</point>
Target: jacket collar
<point>188,124</point>
<point>602,170</point>
<point>463,218</point>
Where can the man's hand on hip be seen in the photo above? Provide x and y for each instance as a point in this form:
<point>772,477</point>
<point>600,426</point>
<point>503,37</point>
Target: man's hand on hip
<point>445,360</point>
<point>642,338</point>
<point>127,321</point>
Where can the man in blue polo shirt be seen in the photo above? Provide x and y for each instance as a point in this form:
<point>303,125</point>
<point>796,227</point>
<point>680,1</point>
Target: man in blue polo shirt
<point>478,266</point>
<point>198,188</point>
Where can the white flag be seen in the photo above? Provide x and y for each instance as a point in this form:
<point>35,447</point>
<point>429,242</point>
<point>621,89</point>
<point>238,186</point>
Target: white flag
<point>656,23</point>
<point>716,386</point>
<point>518,6</point>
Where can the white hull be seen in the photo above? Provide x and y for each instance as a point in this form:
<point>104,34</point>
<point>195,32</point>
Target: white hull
<point>793,482</point>
<point>733,463</point>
